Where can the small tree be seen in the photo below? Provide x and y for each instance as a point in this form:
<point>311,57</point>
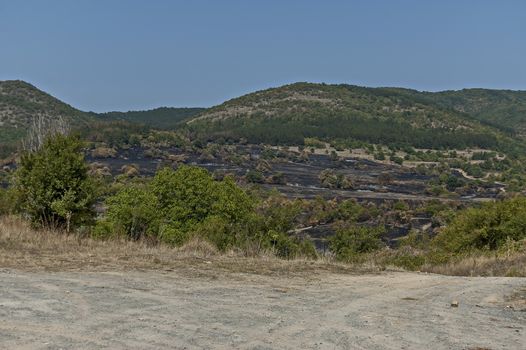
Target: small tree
<point>52,184</point>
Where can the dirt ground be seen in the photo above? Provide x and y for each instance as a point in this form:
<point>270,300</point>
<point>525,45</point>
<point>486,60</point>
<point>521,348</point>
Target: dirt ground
<point>180,310</point>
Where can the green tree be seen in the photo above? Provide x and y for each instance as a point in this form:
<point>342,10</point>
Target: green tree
<point>52,184</point>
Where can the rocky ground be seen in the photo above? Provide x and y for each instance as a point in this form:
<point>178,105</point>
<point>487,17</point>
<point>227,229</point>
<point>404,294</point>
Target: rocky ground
<point>177,310</point>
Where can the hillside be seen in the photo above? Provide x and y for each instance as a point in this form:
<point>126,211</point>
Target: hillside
<point>288,114</point>
<point>504,109</point>
<point>344,114</point>
<point>20,102</point>
<point>160,118</point>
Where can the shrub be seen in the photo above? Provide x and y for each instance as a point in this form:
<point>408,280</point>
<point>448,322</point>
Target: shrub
<point>313,142</point>
<point>277,179</point>
<point>331,179</point>
<point>255,176</point>
<point>52,184</point>
<point>180,204</point>
<point>188,203</point>
<point>487,227</point>
<point>6,202</point>
<point>379,155</point>
<point>401,206</point>
<point>349,243</point>
<point>288,247</point>
<point>217,231</point>
<point>132,211</point>
<point>185,197</point>
<point>396,159</point>
<point>103,152</point>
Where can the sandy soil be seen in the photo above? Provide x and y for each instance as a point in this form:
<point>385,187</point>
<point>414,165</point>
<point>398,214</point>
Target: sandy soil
<point>173,310</point>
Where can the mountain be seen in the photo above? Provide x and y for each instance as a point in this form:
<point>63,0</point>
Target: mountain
<point>344,114</point>
<point>160,118</point>
<point>347,113</point>
<point>20,102</point>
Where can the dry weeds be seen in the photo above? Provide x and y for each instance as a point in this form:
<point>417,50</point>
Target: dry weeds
<point>513,265</point>
<point>25,248</point>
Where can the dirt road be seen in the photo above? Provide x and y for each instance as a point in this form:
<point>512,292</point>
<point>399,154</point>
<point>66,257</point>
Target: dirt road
<point>157,310</point>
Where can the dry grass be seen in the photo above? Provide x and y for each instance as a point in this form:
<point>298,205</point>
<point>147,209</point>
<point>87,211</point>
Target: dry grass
<point>23,247</point>
<point>513,265</point>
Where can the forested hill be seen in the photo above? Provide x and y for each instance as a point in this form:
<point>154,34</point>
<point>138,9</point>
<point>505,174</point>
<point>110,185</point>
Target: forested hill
<point>162,118</point>
<point>20,103</point>
<point>288,114</point>
<point>350,115</point>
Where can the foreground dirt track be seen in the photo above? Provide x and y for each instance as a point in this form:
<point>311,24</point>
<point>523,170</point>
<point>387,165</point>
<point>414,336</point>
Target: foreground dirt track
<point>155,310</point>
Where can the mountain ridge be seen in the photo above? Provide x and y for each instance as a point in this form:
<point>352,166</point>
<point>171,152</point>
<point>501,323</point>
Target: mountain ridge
<point>290,113</point>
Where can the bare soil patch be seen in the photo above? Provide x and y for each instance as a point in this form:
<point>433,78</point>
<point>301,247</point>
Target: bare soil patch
<point>170,310</point>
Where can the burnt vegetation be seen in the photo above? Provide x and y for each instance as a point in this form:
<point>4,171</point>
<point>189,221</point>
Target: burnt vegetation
<point>389,176</point>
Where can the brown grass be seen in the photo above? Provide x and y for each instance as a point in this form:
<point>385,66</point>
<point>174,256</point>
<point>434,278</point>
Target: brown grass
<point>22,247</point>
<point>513,265</point>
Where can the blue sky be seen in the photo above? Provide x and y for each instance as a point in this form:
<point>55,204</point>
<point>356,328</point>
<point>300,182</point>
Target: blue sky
<point>105,55</point>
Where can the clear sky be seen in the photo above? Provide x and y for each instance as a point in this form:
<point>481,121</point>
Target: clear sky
<point>105,55</point>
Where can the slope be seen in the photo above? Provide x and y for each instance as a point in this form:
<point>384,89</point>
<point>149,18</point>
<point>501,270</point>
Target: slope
<point>392,116</point>
<point>20,103</point>
<point>504,109</point>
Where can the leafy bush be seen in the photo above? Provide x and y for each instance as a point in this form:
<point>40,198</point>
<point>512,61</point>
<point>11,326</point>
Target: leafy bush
<point>348,243</point>
<point>179,204</point>
<point>255,176</point>
<point>6,201</point>
<point>487,227</point>
<point>132,211</point>
<point>52,184</point>
<point>288,247</point>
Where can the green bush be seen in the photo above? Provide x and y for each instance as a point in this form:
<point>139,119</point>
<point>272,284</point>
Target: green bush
<point>288,247</point>
<point>188,202</point>
<point>132,211</point>
<point>179,204</point>
<point>348,243</point>
<point>255,176</point>
<point>7,205</point>
<point>189,196</point>
<point>487,227</point>
<point>103,229</point>
<point>52,185</point>
<point>185,196</point>
<point>218,231</point>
